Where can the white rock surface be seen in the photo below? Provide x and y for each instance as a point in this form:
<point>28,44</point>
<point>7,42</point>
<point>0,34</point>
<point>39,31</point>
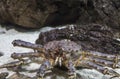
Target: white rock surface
<point>7,48</point>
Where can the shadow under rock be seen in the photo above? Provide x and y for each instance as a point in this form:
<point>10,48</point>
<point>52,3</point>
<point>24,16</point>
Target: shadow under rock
<point>55,74</point>
<point>9,26</point>
<point>1,54</point>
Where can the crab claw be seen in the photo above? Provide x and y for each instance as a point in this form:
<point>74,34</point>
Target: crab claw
<point>44,68</point>
<point>25,44</point>
<point>71,70</point>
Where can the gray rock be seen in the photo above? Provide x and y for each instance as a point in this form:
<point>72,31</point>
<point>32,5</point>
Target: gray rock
<point>38,13</point>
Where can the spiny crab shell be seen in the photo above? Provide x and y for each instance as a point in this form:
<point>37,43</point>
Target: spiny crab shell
<point>67,48</point>
<point>65,45</point>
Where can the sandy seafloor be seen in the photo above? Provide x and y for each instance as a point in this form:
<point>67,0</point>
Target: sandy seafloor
<point>6,38</point>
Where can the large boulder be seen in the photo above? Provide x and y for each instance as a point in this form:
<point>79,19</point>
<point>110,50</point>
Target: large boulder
<point>23,12</point>
<point>38,13</point>
<point>105,12</point>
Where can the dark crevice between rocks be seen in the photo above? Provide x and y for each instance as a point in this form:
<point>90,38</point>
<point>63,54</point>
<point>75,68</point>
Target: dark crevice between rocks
<point>9,26</point>
<point>63,15</point>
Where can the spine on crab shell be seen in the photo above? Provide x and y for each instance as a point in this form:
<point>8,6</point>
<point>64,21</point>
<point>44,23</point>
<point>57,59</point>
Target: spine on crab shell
<point>25,44</point>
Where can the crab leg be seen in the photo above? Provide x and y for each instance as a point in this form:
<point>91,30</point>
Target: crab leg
<point>12,64</point>
<point>101,58</point>
<point>110,57</point>
<point>100,68</point>
<point>44,68</point>
<point>71,69</point>
<point>103,62</point>
<point>23,55</point>
<point>21,43</point>
<point>15,66</point>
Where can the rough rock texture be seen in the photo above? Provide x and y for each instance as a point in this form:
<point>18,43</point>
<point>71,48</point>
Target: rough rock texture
<point>37,13</point>
<point>101,11</point>
<point>23,12</point>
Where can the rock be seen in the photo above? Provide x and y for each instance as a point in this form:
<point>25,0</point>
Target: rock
<point>38,13</point>
<point>23,13</point>
<point>105,12</point>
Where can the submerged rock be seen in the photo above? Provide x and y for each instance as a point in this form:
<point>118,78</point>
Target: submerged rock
<point>38,13</point>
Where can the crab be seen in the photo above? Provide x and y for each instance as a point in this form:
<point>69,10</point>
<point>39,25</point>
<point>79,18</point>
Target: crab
<point>72,47</point>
